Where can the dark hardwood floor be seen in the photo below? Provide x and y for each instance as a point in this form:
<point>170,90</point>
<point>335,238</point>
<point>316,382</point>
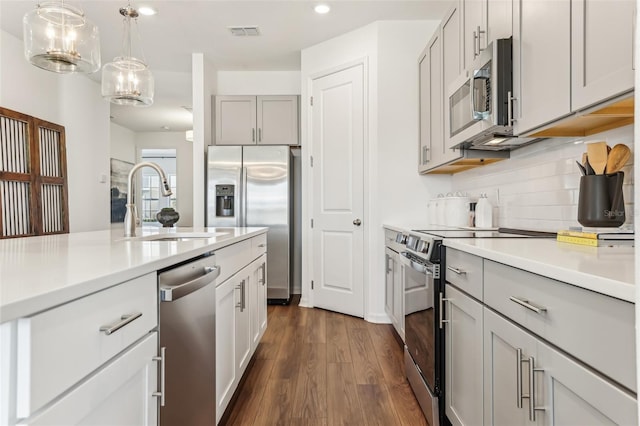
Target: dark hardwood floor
<point>315,367</point>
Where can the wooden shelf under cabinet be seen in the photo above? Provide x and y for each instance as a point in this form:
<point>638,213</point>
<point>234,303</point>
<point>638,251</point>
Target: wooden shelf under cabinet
<point>469,160</point>
<point>616,113</point>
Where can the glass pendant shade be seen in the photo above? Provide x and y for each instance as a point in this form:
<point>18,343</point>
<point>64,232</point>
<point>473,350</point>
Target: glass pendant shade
<point>59,38</point>
<point>127,81</point>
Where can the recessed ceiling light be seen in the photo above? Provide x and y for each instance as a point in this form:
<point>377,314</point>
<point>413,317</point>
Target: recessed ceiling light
<point>322,9</point>
<point>147,10</point>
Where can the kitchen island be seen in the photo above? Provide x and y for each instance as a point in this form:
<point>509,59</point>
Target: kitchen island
<point>80,336</point>
<point>38,273</point>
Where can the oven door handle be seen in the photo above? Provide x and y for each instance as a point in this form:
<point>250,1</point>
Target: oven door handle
<point>423,269</point>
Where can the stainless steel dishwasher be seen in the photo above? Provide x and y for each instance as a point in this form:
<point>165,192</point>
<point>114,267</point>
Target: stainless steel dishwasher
<point>188,342</point>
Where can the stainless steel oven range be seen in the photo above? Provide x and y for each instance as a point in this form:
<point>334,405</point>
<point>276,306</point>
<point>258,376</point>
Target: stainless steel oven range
<point>423,262</point>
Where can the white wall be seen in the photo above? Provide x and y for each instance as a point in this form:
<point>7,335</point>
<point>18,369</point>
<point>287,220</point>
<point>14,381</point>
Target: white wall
<point>258,83</point>
<point>73,101</point>
<point>123,143</point>
<point>204,81</point>
<point>537,188</point>
<point>394,192</point>
<point>184,162</point>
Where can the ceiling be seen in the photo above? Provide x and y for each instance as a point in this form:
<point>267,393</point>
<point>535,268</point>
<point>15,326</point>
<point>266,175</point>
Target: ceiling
<point>183,27</point>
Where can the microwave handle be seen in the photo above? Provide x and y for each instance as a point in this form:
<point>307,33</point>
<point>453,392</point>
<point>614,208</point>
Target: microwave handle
<point>477,74</point>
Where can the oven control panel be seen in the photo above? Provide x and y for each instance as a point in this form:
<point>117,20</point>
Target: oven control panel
<point>417,244</point>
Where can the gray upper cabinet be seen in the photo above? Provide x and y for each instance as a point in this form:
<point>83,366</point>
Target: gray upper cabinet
<point>570,56</point>
<point>483,22</point>
<point>474,29</point>
<point>541,61</point>
<point>602,50</point>
<point>251,120</point>
<point>431,137</point>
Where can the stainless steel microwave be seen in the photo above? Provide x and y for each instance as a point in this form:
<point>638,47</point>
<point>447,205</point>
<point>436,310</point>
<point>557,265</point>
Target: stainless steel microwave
<point>480,102</point>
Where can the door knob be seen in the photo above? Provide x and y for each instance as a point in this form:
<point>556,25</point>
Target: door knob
<point>357,222</point>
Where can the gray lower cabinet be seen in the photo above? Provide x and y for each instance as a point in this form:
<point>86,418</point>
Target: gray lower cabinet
<point>462,320</point>
<point>518,365</point>
<point>394,294</point>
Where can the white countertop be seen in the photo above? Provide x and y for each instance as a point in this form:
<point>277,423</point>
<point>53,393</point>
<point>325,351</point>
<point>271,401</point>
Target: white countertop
<point>606,270</point>
<point>38,273</point>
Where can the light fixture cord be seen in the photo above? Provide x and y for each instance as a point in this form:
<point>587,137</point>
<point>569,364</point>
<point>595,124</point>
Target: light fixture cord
<point>144,59</point>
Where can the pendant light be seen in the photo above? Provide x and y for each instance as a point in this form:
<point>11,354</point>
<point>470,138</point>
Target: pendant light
<point>127,80</point>
<point>59,38</point>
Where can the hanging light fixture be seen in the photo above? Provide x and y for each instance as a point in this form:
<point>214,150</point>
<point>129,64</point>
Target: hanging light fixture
<point>59,38</point>
<point>127,80</point>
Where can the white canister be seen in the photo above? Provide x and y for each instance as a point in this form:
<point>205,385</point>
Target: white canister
<point>457,212</point>
<point>484,212</point>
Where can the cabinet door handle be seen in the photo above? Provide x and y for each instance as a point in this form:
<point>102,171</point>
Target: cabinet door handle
<point>161,394</point>
<point>527,304</point>
<point>475,43</point>
<point>425,154</point>
<point>242,304</point>
<point>124,320</point>
<point>532,389</point>
<point>441,306</point>
<point>262,245</point>
<point>259,134</point>
<point>456,270</point>
<point>253,135</point>
<point>263,267</point>
<point>510,100</point>
<point>479,32</point>
<point>519,378</point>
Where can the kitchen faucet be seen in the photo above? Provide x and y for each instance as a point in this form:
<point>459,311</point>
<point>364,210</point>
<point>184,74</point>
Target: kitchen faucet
<point>131,216</point>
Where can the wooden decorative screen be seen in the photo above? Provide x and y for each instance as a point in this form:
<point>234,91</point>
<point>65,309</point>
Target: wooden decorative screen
<point>33,176</point>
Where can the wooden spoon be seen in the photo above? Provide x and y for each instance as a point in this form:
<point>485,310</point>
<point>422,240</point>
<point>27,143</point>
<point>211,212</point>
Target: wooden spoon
<point>617,158</point>
<point>597,155</point>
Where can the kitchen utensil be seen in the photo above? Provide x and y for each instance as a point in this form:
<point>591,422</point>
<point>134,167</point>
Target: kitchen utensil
<point>582,168</point>
<point>617,158</point>
<point>597,156</point>
<point>587,166</point>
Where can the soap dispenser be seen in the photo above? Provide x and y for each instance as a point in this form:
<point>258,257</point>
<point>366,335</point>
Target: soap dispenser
<point>484,212</point>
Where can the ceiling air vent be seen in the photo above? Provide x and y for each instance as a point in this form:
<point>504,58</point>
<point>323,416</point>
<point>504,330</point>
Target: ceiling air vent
<point>245,31</point>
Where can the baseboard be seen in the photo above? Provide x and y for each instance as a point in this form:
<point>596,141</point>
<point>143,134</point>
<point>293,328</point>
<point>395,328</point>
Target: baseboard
<point>378,318</point>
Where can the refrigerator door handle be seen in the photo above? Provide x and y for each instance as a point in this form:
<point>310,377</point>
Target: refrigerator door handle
<point>243,214</point>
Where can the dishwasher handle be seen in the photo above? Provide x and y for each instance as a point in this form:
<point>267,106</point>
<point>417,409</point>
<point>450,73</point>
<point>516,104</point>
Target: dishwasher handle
<point>169,294</point>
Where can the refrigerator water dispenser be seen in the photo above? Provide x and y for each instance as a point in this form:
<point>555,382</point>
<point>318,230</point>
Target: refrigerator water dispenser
<point>225,200</point>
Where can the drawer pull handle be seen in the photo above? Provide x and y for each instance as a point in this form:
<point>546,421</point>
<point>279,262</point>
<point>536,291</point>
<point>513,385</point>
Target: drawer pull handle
<point>262,245</point>
<point>162,359</point>
<point>456,270</point>
<point>527,304</point>
<point>124,320</point>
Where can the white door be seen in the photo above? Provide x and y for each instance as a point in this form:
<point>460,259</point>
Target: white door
<point>338,140</point>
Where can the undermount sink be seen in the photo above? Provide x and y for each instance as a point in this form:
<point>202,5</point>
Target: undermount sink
<point>178,236</point>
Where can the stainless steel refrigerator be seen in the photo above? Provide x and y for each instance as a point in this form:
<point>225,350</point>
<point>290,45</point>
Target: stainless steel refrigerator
<point>252,186</point>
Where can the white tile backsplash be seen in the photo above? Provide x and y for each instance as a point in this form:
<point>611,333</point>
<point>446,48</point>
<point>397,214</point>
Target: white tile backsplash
<point>537,188</point>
